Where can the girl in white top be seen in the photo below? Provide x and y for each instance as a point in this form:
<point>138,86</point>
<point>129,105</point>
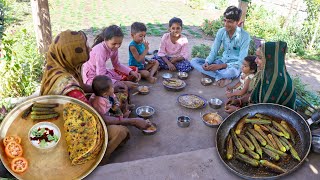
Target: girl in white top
<point>249,68</point>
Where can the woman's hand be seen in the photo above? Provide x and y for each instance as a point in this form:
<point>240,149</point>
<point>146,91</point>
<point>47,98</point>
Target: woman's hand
<point>171,66</point>
<point>230,108</point>
<point>136,75</point>
<point>229,94</point>
<point>140,123</point>
<point>131,85</point>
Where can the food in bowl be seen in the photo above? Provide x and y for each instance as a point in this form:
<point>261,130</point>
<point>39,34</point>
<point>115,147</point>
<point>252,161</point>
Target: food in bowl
<point>143,89</point>
<point>212,118</point>
<point>44,135</point>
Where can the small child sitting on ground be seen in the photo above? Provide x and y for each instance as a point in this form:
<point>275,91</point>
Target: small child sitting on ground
<point>138,49</point>
<point>104,100</point>
<point>249,68</point>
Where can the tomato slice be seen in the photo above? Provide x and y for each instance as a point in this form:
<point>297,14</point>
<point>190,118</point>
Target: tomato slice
<point>13,149</point>
<point>19,165</point>
<point>7,139</point>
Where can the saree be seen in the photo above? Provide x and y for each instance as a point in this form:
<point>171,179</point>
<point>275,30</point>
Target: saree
<point>62,72</point>
<point>273,83</point>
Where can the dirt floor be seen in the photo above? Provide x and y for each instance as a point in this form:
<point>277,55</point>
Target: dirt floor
<point>172,139</point>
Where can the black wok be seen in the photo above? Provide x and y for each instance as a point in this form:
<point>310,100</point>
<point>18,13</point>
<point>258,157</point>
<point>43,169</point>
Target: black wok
<point>302,146</point>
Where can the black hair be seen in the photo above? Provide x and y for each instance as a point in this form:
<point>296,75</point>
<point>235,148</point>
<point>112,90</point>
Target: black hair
<point>138,27</point>
<point>107,34</point>
<point>175,20</point>
<point>252,62</point>
<point>233,13</point>
<point>101,84</point>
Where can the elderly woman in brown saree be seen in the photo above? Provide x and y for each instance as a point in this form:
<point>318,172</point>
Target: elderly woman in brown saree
<point>62,76</point>
<point>272,83</point>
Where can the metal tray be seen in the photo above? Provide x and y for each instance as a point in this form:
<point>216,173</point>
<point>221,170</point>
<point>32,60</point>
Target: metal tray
<point>171,88</point>
<point>53,164</point>
<point>184,105</point>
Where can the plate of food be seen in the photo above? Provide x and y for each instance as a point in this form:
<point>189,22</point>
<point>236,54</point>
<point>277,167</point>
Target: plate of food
<point>52,137</point>
<point>192,101</point>
<point>174,84</point>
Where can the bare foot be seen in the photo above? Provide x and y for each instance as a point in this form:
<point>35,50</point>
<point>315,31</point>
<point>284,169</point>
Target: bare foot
<point>152,80</point>
<point>224,82</point>
<point>126,114</point>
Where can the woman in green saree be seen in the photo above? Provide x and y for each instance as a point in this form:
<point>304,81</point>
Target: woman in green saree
<point>272,83</point>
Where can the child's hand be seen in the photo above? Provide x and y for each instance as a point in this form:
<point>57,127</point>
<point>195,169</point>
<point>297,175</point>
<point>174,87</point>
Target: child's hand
<point>136,75</point>
<point>171,67</point>
<point>229,95</point>
<point>229,88</point>
<point>146,44</point>
<point>205,66</point>
<point>151,61</point>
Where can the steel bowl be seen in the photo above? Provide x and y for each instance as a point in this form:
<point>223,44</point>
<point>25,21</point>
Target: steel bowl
<point>150,132</point>
<point>215,103</point>
<point>182,75</point>
<point>143,90</point>
<point>206,81</point>
<point>183,121</point>
<point>44,125</point>
<point>145,111</point>
<point>166,75</point>
<point>211,119</point>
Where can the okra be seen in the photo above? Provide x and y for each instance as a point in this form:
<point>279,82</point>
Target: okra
<point>264,128</point>
<point>247,159</point>
<point>42,112</point>
<point>262,116</point>
<point>276,151</point>
<point>42,109</point>
<point>26,112</point>
<point>255,143</point>
<point>258,121</point>
<point>281,128</point>
<point>240,124</point>
<point>271,154</point>
<point>229,148</point>
<point>274,131</point>
<point>45,105</point>
<point>286,127</point>
<point>236,141</point>
<point>247,141</point>
<point>279,144</point>
<point>45,116</point>
<point>285,144</point>
<point>259,130</point>
<point>294,153</point>
<point>273,142</point>
<point>262,141</point>
<point>272,166</point>
<point>249,151</point>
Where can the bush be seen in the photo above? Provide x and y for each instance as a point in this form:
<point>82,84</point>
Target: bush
<point>21,64</point>
<point>210,28</point>
<point>201,51</point>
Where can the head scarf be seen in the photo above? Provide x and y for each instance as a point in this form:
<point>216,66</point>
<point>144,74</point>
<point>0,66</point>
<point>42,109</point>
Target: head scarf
<point>65,57</point>
<point>273,83</point>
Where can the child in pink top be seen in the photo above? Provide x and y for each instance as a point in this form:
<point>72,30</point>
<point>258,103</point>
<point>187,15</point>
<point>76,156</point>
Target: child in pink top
<point>174,53</point>
<point>106,47</point>
<point>104,100</point>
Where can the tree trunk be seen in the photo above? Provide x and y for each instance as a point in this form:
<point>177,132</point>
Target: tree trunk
<point>243,5</point>
<point>42,25</point>
<point>314,36</point>
<point>288,18</point>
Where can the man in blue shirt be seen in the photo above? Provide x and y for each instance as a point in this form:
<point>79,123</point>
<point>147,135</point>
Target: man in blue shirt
<point>235,42</point>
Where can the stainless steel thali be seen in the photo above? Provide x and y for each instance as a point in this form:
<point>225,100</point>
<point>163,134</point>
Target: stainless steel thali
<point>54,163</point>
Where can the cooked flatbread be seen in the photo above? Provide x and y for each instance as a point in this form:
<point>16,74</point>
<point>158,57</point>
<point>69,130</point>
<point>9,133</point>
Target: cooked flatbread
<point>173,82</point>
<point>83,133</point>
<point>191,101</point>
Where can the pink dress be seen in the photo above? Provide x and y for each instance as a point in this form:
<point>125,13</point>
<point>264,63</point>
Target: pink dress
<point>96,65</point>
<point>180,48</point>
<point>100,104</point>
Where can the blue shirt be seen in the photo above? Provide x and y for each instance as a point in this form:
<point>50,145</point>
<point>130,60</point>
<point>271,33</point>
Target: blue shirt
<point>132,61</point>
<point>235,49</point>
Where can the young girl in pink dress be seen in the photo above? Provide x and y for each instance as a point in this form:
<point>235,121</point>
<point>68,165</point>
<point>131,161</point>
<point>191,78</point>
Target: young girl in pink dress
<point>105,48</point>
<point>174,53</point>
